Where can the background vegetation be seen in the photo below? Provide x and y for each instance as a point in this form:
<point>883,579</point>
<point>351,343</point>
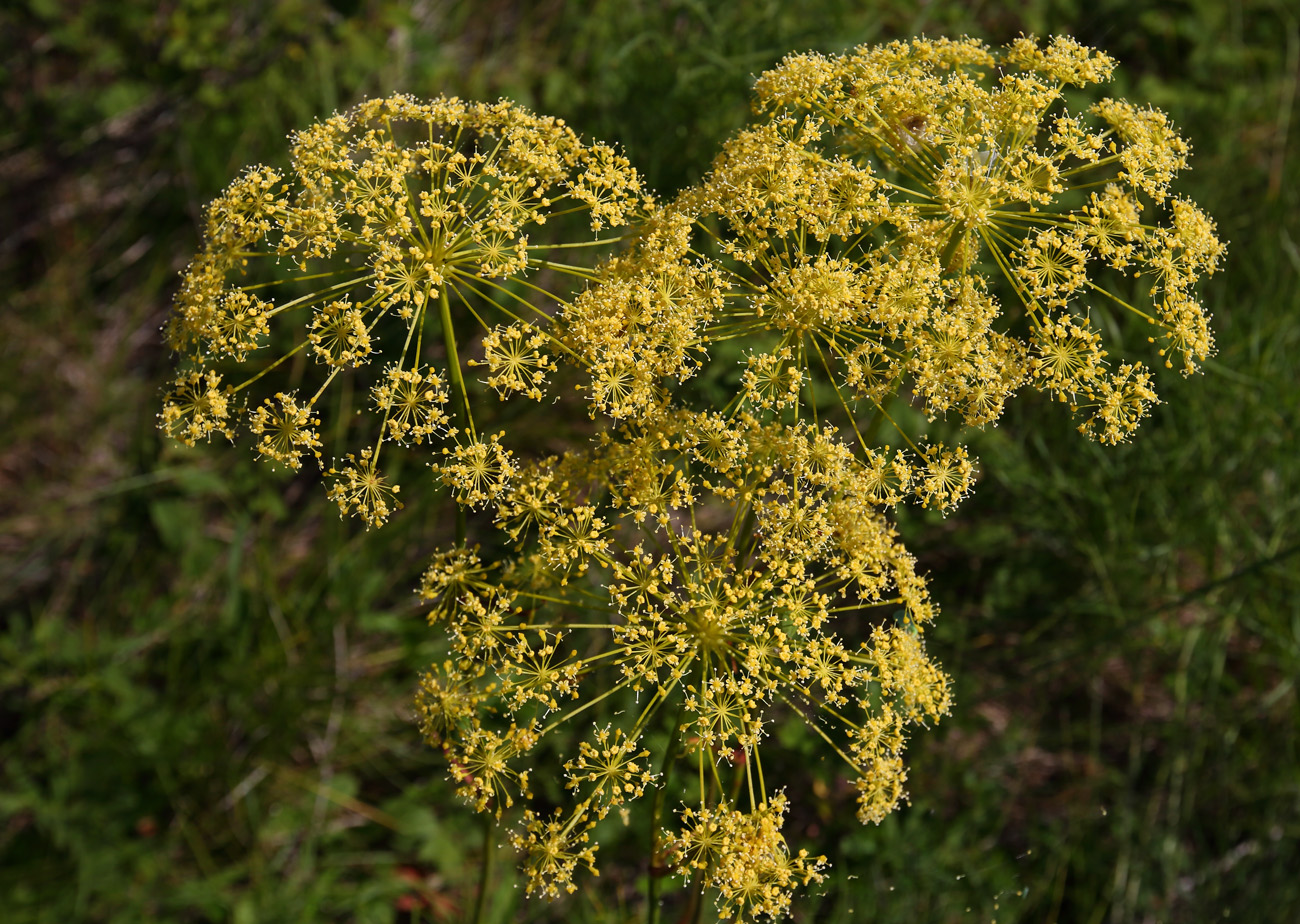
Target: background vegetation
<point>205,675</point>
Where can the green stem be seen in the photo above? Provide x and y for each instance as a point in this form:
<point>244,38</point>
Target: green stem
<point>453,369</point>
<point>453,361</point>
<point>485,871</point>
<point>746,532</point>
<point>950,248</point>
<point>665,770</point>
<point>585,706</point>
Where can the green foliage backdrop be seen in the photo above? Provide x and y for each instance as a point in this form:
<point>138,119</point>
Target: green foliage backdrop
<point>205,676</point>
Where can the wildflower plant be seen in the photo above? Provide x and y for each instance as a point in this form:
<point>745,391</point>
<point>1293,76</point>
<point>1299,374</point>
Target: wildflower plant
<point>922,222</point>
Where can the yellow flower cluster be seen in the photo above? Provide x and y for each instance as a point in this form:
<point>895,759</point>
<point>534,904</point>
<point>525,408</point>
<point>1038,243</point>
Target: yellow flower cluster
<point>686,564</point>
<point>398,219</point>
<point>921,222</point>
<point>744,856</point>
<point>991,183</point>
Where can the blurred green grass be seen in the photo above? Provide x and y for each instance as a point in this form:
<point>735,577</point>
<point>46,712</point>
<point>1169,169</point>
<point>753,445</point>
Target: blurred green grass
<point>204,675</point>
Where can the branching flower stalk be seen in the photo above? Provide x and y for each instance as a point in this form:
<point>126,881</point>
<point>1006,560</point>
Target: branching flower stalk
<point>925,222</point>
